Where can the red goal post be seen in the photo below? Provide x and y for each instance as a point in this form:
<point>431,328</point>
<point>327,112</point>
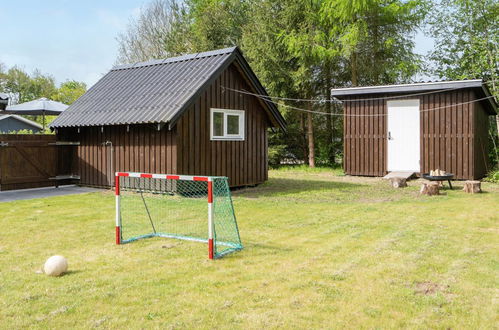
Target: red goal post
<point>228,236</point>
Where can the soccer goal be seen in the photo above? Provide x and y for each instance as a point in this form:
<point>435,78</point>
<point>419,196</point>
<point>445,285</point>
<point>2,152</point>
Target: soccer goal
<point>195,208</point>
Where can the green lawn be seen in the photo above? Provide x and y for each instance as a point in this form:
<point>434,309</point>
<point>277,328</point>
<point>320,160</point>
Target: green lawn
<point>322,250</point>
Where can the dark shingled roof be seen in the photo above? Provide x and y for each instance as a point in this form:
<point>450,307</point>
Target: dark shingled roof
<point>157,91</point>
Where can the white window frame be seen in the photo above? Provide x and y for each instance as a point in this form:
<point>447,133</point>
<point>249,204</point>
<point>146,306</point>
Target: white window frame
<point>226,136</point>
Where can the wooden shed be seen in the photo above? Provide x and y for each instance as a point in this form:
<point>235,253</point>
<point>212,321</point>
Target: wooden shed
<point>14,123</point>
<point>173,116</point>
<point>417,128</point>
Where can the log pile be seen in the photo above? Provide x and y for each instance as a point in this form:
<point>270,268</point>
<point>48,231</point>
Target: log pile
<point>472,187</point>
<point>430,188</point>
<point>437,172</point>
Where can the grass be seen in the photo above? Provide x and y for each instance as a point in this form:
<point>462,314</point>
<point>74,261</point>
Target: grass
<point>322,250</point>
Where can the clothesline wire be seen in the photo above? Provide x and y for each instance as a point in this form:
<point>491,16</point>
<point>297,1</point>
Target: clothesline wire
<point>337,101</point>
<point>371,115</point>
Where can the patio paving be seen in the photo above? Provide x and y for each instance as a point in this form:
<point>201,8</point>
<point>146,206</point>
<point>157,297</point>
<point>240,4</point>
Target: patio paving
<point>22,194</point>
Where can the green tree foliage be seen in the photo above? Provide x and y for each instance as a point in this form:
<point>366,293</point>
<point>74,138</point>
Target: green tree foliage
<point>299,49</point>
<point>217,24</point>
<point>376,37</point>
<point>69,91</point>
<point>23,87</point>
<point>466,36</point>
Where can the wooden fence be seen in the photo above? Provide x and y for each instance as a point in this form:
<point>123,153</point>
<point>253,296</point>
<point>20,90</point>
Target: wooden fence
<point>32,161</point>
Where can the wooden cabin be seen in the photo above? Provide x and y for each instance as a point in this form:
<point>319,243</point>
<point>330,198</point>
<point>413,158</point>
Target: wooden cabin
<point>417,128</point>
<point>173,116</point>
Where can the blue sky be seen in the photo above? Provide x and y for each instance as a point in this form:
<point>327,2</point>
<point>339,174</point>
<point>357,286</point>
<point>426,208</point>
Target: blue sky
<point>73,40</point>
<point>67,39</point>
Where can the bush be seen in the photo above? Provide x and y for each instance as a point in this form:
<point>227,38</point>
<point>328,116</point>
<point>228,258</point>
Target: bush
<point>276,154</point>
<point>493,176</point>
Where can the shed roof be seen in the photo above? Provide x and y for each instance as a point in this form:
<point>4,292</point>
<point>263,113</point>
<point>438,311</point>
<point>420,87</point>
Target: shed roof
<point>157,91</point>
<point>419,87</point>
<point>21,119</point>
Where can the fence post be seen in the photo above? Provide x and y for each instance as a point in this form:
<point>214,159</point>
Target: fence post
<point>118,217</point>
<point>210,219</point>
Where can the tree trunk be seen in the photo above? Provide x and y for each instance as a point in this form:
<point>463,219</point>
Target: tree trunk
<point>353,64</point>
<point>303,136</point>
<point>472,187</point>
<point>329,122</point>
<point>429,188</point>
<point>310,133</point>
<point>377,66</point>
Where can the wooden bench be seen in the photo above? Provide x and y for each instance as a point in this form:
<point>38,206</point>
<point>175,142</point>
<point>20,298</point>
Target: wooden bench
<point>59,178</point>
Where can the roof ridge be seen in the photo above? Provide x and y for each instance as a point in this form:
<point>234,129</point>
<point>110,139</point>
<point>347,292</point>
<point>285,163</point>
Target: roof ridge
<point>20,118</point>
<point>175,59</point>
<point>435,82</point>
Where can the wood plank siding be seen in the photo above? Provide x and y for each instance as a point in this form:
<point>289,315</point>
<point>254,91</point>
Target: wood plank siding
<point>243,162</point>
<point>140,149</point>
<point>186,148</point>
<point>364,145</point>
<point>481,156</point>
<point>452,134</point>
<point>28,161</point>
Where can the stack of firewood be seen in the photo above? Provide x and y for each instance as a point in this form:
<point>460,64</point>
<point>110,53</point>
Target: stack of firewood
<point>437,172</point>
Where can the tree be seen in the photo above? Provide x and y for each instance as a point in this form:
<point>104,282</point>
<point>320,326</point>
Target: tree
<point>299,49</point>
<point>466,36</point>
<point>69,91</point>
<point>168,28</point>
<point>161,30</point>
<point>376,37</point>
<point>218,24</point>
<point>273,60</point>
<point>370,39</point>
<point>23,87</point>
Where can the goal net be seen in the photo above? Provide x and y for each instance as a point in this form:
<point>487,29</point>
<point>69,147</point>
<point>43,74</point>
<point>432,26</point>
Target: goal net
<point>195,208</point>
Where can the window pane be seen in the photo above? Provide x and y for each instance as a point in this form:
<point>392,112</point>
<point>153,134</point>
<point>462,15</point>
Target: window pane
<point>233,124</point>
<point>218,124</point>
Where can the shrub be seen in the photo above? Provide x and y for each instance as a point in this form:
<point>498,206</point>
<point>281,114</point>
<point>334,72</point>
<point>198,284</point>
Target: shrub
<point>492,176</point>
<point>276,154</point>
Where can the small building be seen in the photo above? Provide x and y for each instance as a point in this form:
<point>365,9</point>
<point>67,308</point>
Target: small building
<point>178,115</point>
<point>14,123</point>
<point>417,128</point>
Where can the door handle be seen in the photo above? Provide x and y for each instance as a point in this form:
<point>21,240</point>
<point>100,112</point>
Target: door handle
<point>390,135</point>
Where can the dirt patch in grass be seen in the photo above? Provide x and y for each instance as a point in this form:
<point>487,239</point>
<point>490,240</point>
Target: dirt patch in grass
<point>428,288</point>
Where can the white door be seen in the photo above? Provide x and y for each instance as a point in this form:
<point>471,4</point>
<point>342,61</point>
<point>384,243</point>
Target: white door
<point>403,135</point>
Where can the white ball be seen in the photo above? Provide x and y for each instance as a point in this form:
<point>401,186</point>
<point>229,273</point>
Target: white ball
<point>55,266</point>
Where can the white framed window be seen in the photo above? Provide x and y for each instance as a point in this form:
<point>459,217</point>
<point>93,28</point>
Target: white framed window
<point>227,124</point>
